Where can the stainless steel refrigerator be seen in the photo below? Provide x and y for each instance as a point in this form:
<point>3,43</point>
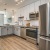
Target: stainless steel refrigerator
<point>44,15</point>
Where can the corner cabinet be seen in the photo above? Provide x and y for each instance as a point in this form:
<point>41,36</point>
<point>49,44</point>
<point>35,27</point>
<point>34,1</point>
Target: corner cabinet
<point>6,30</point>
<point>9,30</point>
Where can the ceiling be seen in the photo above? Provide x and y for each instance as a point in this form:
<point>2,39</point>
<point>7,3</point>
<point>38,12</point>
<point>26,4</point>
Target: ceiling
<point>10,4</point>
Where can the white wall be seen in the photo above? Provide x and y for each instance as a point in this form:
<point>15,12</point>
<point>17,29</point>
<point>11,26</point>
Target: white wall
<point>24,11</point>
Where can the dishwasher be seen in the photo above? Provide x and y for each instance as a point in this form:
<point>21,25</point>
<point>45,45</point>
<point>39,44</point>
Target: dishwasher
<point>23,32</point>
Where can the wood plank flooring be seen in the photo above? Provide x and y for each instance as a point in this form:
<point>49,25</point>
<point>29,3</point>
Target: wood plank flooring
<point>15,43</point>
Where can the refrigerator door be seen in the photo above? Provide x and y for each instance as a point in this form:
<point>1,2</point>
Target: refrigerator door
<point>42,44</point>
<point>42,10</point>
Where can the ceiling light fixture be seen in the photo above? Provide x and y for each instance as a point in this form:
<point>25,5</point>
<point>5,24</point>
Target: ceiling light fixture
<point>21,1</point>
<point>18,1</point>
<point>5,13</point>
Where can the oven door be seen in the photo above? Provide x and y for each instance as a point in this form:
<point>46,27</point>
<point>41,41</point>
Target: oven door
<point>31,35</point>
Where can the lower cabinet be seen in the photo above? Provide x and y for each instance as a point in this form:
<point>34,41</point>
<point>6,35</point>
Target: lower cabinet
<point>9,30</point>
<point>17,30</point>
<point>3,31</point>
<point>6,30</point>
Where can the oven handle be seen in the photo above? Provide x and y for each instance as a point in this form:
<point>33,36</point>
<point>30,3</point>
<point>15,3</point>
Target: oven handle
<point>32,29</point>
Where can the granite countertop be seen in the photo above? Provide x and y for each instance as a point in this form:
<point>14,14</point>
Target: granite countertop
<point>28,26</point>
<point>21,26</point>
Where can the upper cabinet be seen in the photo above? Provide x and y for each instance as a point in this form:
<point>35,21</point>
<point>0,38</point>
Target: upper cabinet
<point>42,2</point>
<point>37,4</point>
<point>47,1</point>
<point>26,12</point>
<point>31,8</point>
<point>18,13</point>
<point>21,11</point>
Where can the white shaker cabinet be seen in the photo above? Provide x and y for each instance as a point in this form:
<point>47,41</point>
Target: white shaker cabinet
<point>42,2</point>
<point>17,30</point>
<point>6,30</point>
<point>37,4</point>
<point>9,30</point>
<point>3,31</point>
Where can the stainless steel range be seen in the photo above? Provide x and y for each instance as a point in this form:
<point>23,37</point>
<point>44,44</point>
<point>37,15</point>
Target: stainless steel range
<point>31,35</point>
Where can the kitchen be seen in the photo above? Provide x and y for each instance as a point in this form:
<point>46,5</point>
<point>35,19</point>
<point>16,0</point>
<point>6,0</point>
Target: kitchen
<point>21,22</point>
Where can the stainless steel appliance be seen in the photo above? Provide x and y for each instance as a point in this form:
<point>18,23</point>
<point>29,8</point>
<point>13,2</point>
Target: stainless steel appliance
<point>44,11</point>
<point>31,35</point>
<point>23,32</point>
<point>33,16</point>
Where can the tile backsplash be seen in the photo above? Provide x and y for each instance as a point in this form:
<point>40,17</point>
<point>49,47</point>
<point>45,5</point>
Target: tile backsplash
<point>34,23</point>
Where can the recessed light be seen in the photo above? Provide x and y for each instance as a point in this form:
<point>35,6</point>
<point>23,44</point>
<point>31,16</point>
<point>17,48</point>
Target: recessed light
<point>21,1</point>
<point>16,0</point>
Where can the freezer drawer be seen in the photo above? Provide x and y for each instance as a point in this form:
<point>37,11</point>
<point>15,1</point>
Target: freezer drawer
<point>48,45</point>
<point>42,44</point>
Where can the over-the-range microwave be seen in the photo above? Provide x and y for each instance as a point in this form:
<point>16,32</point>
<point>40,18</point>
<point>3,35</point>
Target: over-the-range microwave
<point>33,16</point>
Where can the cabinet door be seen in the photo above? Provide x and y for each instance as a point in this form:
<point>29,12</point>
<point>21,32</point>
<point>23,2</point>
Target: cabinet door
<point>37,4</point>
<point>19,31</point>
<point>43,2</point>
<point>16,30</point>
<point>9,29</point>
<point>4,31</point>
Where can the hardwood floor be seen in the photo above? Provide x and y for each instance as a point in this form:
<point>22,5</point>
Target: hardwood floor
<point>15,43</point>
